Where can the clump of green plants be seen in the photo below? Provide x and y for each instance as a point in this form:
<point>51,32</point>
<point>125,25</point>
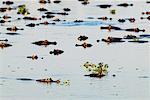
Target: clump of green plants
<point>98,70</point>
<point>22,10</point>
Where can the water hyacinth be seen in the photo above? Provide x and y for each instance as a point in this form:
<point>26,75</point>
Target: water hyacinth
<point>98,70</point>
<point>22,10</point>
<point>65,82</point>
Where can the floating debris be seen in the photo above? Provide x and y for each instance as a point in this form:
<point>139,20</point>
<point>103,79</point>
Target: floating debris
<point>98,71</point>
<point>56,52</point>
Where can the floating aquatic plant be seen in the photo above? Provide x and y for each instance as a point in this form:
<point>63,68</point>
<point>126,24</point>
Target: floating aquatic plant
<point>113,11</point>
<point>22,10</point>
<point>65,82</point>
<point>98,70</point>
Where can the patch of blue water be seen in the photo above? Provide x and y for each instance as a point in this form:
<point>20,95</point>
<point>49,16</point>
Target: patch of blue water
<point>84,23</point>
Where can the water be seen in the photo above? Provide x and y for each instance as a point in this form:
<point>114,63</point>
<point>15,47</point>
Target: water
<point>128,61</point>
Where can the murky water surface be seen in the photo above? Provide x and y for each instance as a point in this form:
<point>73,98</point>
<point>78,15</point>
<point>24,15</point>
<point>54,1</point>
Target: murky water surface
<point>130,62</point>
